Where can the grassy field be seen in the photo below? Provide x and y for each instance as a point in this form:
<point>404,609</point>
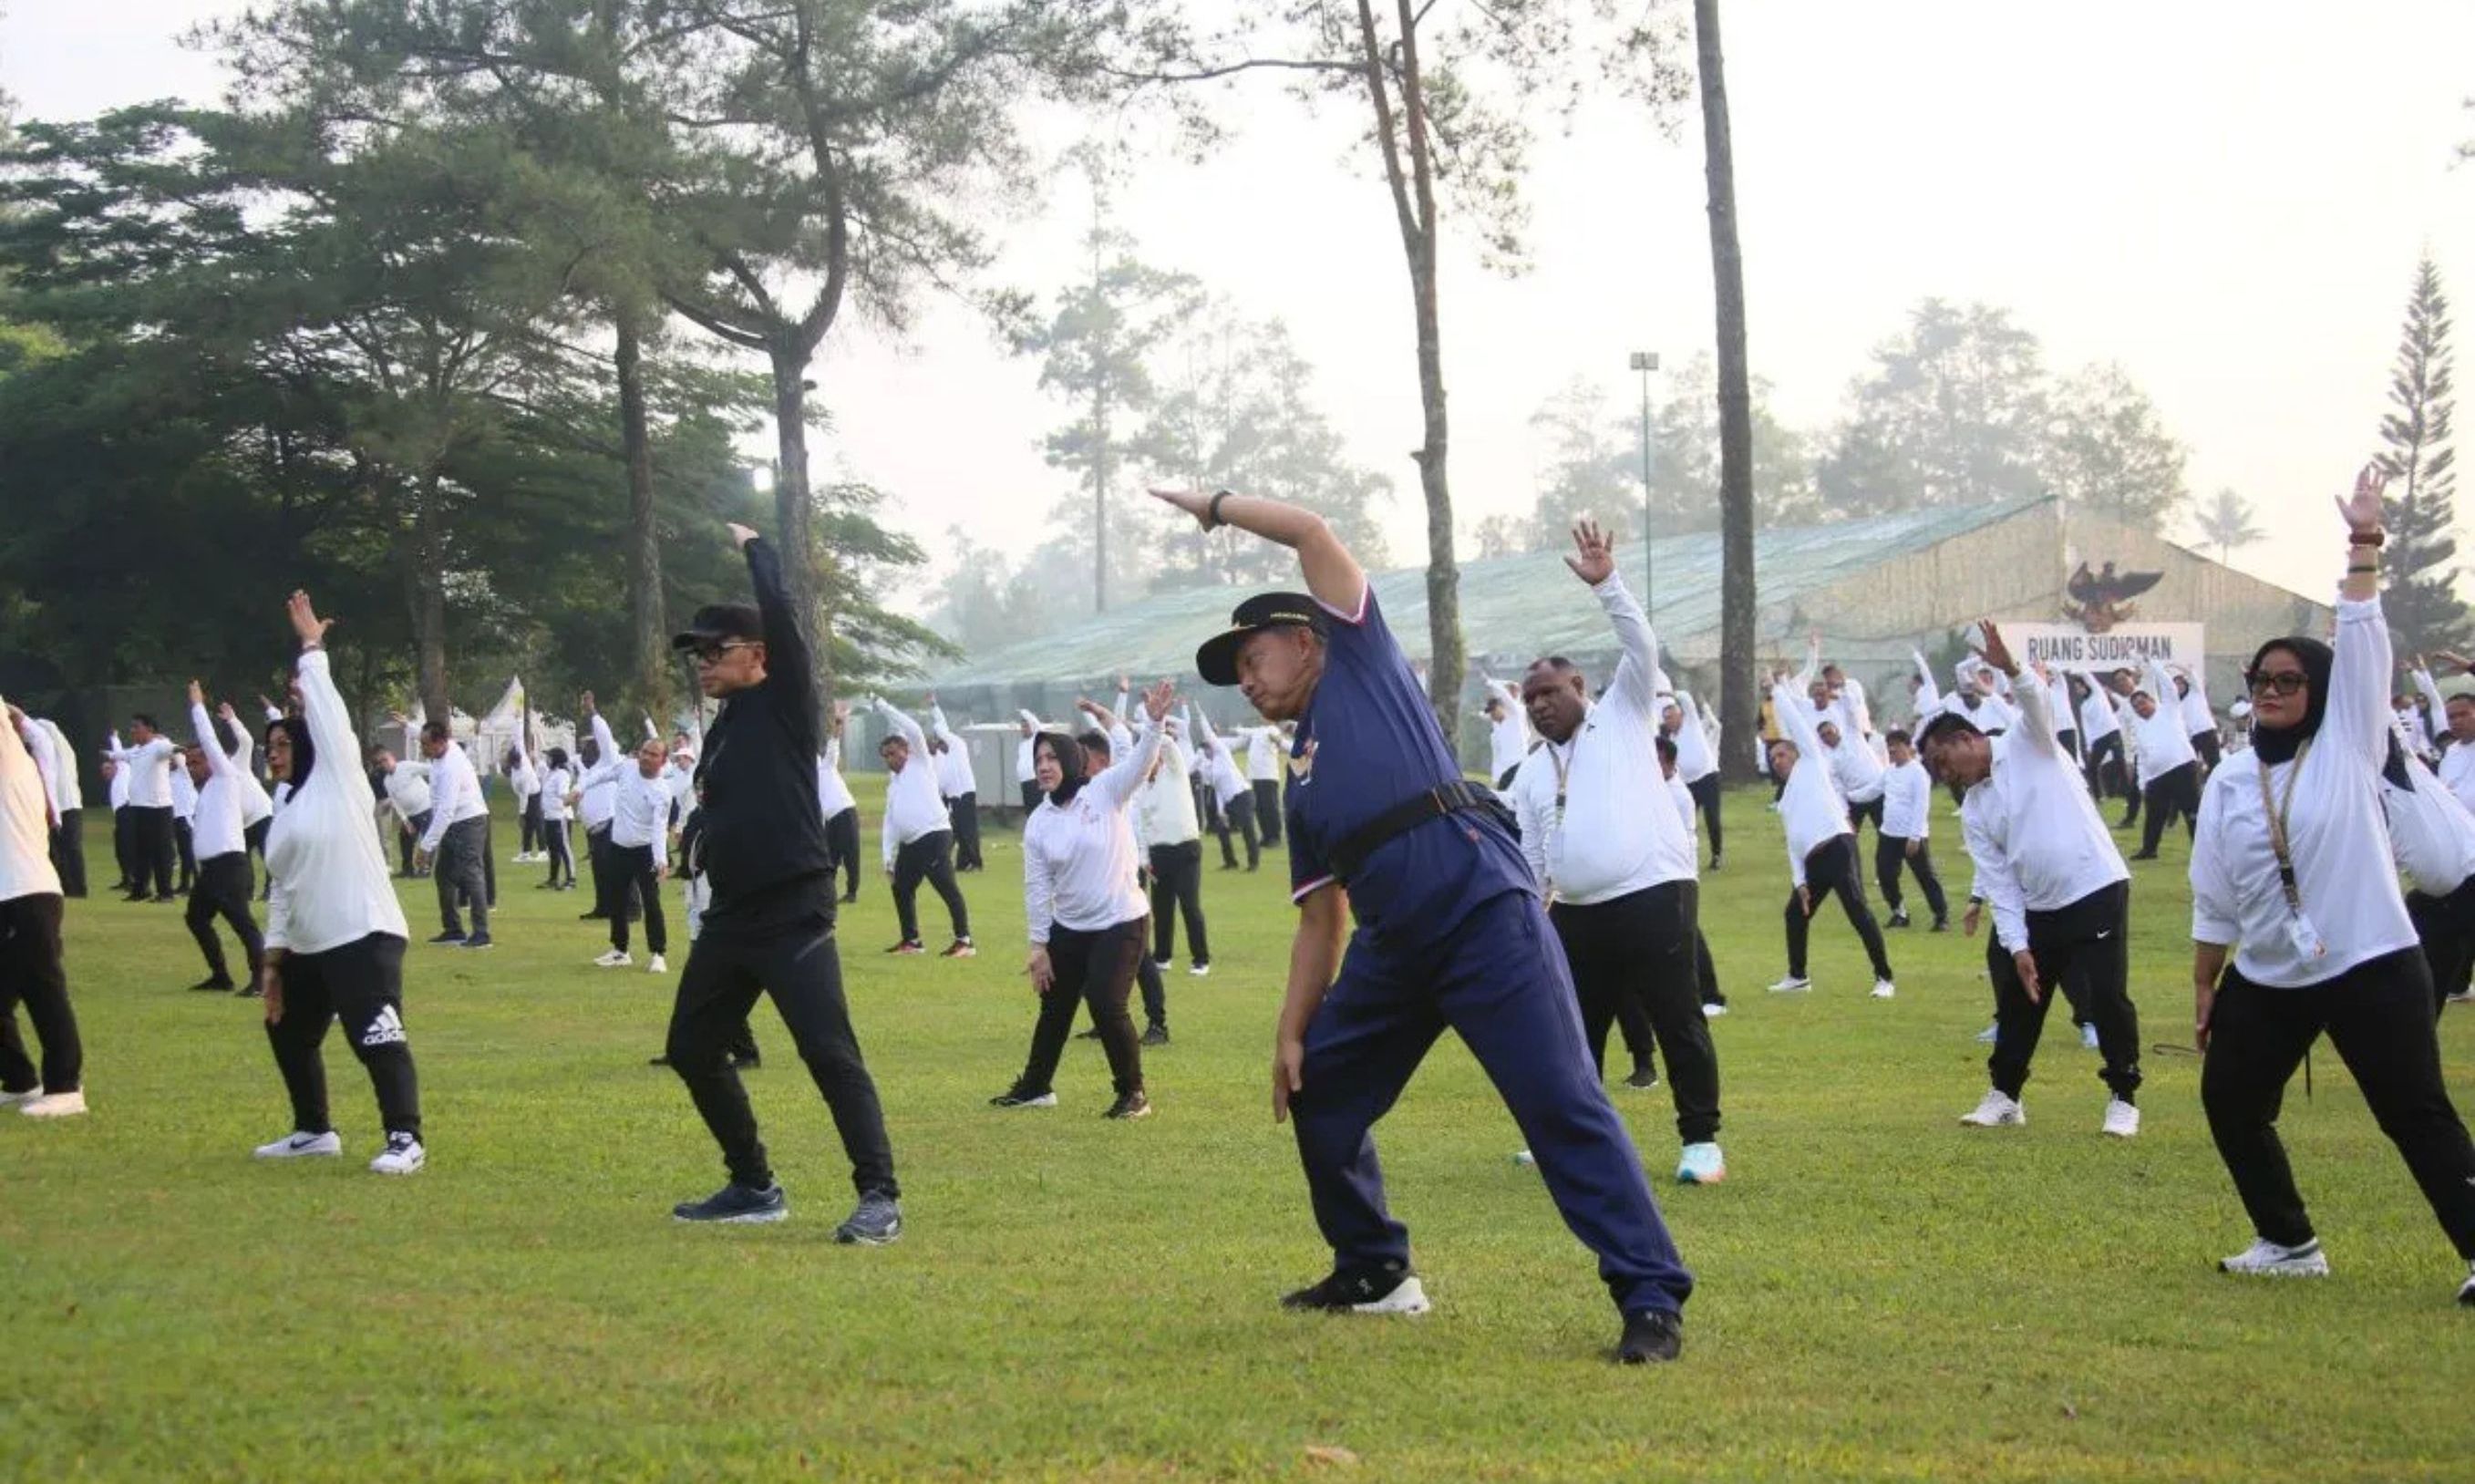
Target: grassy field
<point>1883,1294</point>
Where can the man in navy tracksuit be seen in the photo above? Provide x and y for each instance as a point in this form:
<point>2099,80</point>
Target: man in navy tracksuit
<point>1450,933</point>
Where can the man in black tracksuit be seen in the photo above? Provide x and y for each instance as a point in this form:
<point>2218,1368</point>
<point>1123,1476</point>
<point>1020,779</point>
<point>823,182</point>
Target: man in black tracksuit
<point>770,926</point>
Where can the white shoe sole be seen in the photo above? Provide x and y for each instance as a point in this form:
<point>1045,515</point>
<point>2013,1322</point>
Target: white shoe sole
<point>1411,1298</point>
<point>752,1219</point>
<point>2315,1266</point>
<point>381,1165</point>
<point>1786,988</point>
<point>279,1151</point>
<point>1044,1100</point>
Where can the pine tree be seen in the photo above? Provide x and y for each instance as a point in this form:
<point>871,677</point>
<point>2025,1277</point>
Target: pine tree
<point>2424,610</point>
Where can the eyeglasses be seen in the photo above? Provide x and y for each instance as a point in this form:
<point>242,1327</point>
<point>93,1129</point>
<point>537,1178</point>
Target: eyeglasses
<point>709,655</point>
<point>2278,682</point>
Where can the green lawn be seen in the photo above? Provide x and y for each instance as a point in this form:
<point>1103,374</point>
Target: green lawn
<point>1883,1294</point>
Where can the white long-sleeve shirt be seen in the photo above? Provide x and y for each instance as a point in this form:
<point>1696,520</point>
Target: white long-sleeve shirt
<point>953,765</point>
<point>68,793</point>
<point>2338,835</point>
<point>184,791</point>
<point>556,784</point>
<point>833,793</point>
<point>1810,808</point>
<point>148,767</point>
<point>327,876</point>
<point>2098,718</point>
<point>1695,757</point>
<point>1227,782</point>
<point>1078,861</point>
<point>2198,720</point>
<point>1507,739</point>
<point>455,794</point>
<point>2458,770</point>
<point>1854,767</point>
<point>224,804</point>
<point>914,808</point>
<point>1593,823</point>
<point>1164,812</point>
<point>1681,797</point>
<point>2430,833</point>
<point>1265,745</point>
<point>597,788</point>
<point>2164,744</point>
<point>1906,796</point>
<point>640,811</point>
<point>25,823</point>
<point>1023,768</point>
<point>408,789</point>
<point>2031,827</point>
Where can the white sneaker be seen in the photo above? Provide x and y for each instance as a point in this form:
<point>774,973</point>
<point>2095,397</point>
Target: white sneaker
<point>1794,983</point>
<point>1996,1111</point>
<point>2465,997</point>
<point>1522,1156</point>
<point>1702,1164</point>
<point>615,959</point>
<point>54,1104</point>
<point>300,1145</point>
<point>1884,990</point>
<point>402,1156</point>
<point>13,1099</point>
<point>2265,1259</point>
<point>2466,1290</point>
<point>1201,971</point>
<point>1989,1035</point>
<point>2121,1119</point>
<point>2088,1037</point>
<point>1713,1011</point>
<point>657,964</point>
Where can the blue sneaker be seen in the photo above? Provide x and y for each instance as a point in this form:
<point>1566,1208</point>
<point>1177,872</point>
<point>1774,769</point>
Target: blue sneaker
<point>876,1222</point>
<point>736,1203</point>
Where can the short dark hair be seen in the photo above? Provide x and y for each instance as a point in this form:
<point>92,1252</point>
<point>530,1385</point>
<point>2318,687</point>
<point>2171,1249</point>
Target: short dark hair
<point>1898,736</point>
<point>1095,741</point>
<point>1666,749</point>
<point>2468,696</point>
<point>1945,722</point>
<point>435,730</point>
<point>145,719</point>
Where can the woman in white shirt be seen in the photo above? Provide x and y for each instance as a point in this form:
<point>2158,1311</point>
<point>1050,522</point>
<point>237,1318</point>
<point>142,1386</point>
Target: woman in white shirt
<point>1820,847</point>
<point>2291,873</point>
<point>335,931</point>
<point>555,846</point>
<point>1087,918</point>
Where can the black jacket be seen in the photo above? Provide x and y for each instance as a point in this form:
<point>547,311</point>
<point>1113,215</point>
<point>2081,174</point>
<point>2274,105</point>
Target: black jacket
<point>764,838</point>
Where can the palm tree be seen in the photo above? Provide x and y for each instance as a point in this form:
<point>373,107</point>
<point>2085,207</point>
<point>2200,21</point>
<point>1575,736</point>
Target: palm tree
<point>2226,523</point>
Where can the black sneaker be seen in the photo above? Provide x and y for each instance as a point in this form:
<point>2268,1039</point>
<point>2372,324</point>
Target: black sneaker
<point>746,1064</point>
<point>737,1203</point>
<point>1942,924</point>
<point>1387,1290</point>
<point>1156,1035</point>
<point>249,991</point>
<point>664,1060</point>
<point>478,940</point>
<point>1644,1075</point>
<point>1020,1096</point>
<point>452,939</point>
<point>1650,1335</point>
<point>1899,919</point>
<point>218,983</point>
<point>876,1221</point>
<point>1133,1104</point>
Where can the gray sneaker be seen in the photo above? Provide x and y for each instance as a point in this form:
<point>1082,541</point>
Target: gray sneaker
<point>876,1222</point>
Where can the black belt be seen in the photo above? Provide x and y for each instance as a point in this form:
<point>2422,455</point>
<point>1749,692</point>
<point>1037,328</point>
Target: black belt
<point>1351,855</point>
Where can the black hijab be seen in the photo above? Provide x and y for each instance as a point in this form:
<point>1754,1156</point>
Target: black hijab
<point>304,752</point>
<point>1068,754</point>
<point>2279,745</point>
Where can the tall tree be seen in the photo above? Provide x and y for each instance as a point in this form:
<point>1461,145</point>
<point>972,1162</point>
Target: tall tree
<point>2422,602</point>
<point>2107,451</point>
<point>1738,706</point>
<point>2226,523</point>
<point>1955,412</point>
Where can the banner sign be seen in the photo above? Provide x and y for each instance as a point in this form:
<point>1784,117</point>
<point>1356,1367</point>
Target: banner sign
<point>2124,646</point>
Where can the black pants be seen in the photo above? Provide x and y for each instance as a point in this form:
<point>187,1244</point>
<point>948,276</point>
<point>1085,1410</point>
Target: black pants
<point>2082,953</point>
<point>185,847</point>
<point>607,894</point>
<point>124,850</point>
<point>1239,817</point>
<point>1097,969</point>
<point>530,824</point>
<point>2379,1016</point>
<point>2205,745</point>
<point>553,844</point>
<point>1706,796</point>
<point>30,972</point>
<point>928,859</point>
<point>408,839</point>
<point>1830,869</point>
<point>1891,857</point>
<point>965,809</point>
<point>1147,979</point>
<point>1859,814</point>
<point>1177,887</point>
<point>2446,924</point>
<point>1639,949</point>
<point>2103,768</point>
<point>799,966</point>
<point>636,887</point>
<point>69,852</point>
<point>489,862</point>
<point>1267,810</point>
<point>459,872</point>
<point>842,843</point>
<point>360,984</point>
<point>151,850</point>
<point>223,890</point>
<point>2071,743</point>
<point>2178,792</point>
<point>1705,972</point>
<point>253,838</point>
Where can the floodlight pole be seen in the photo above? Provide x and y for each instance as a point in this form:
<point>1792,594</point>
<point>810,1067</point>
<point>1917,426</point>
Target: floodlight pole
<point>1646,362</point>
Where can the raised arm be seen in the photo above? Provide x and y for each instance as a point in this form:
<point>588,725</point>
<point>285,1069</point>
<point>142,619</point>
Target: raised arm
<point>16,755</point>
<point>900,720</point>
<point>323,710</point>
<point>1332,575</point>
<point>1788,704</point>
<point>1929,694</point>
<point>787,661</point>
<point>218,762</point>
<point>1119,781</point>
<point>2359,703</point>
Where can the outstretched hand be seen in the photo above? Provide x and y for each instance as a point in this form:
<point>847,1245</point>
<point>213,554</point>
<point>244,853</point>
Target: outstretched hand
<point>1194,502</point>
<point>1993,651</point>
<point>1158,699</point>
<point>306,627</point>
<point>741,535</point>
<point>2362,508</point>
<point>1594,552</point>
<point>197,694</point>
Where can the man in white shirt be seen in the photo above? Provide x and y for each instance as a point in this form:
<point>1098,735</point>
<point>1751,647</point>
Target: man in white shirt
<point>1227,787</point>
<point>2101,760</point>
<point>1024,783</point>
<point>406,789</point>
<point>917,836</point>
<point>1903,842</point>
<point>2169,770</point>
<point>458,839</point>
<point>961,788</point>
<point>224,885</point>
<point>1267,748</point>
<point>1613,861</point>
<point>1507,730</point>
<point>185,811</point>
<point>640,861</point>
<point>1855,772</point>
<point>1820,847</point>
<point>30,940</point>
<point>147,761</point>
<point>1850,693</point>
<point>1697,763</point>
<point>1172,834</point>
<point>1714,1002</point>
<point>2200,719</point>
<point>595,797</point>
<point>2432,838</point>
<point>2457,714</point>
<point>2060,892</point>
<point>57,761</point>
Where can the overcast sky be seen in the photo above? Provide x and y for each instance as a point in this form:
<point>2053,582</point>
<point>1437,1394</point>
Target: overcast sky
<point>2227,198</point>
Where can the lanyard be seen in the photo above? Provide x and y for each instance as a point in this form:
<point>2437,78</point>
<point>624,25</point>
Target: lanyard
<point>2276,812</point>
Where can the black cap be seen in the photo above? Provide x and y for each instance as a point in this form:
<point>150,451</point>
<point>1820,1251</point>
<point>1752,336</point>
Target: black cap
<point>1217,662</point>
<point>717,623</point>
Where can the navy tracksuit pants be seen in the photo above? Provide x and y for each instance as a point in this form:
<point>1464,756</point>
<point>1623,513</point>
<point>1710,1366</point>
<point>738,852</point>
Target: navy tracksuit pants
<point>1500,981</point>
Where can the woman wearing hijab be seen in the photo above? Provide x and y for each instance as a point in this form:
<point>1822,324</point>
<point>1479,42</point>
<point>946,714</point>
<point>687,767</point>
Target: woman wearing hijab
<point>552,839</point>
<point>2291,871</point>
<point>334,931</point>
<point>1088,916</point>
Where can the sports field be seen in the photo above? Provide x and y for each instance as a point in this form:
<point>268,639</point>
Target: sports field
<point>1883,1294</point>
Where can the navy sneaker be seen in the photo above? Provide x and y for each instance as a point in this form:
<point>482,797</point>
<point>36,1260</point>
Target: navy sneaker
<point>1650,1335</point>
<point>737,1203</point>
<point>447,938</point>
<point>478,940</point>
<point>1385,1290</point>
<point>876,1222</point>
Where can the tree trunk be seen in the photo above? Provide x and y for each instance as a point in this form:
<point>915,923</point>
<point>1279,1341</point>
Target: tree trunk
<point>1739,706</point>
<point>427,581</point>
<point>794,509</point>
<point>643,539</point>
<point>1445,671</point>
<point>1100,493</point>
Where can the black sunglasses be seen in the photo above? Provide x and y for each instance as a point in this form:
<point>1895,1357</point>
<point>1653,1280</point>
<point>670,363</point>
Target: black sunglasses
<point>2278,682</point>
<point>711,654</point>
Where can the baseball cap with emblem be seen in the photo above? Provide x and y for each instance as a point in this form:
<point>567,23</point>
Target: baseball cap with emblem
<point>719,623</point>
<point>1217,660</point>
